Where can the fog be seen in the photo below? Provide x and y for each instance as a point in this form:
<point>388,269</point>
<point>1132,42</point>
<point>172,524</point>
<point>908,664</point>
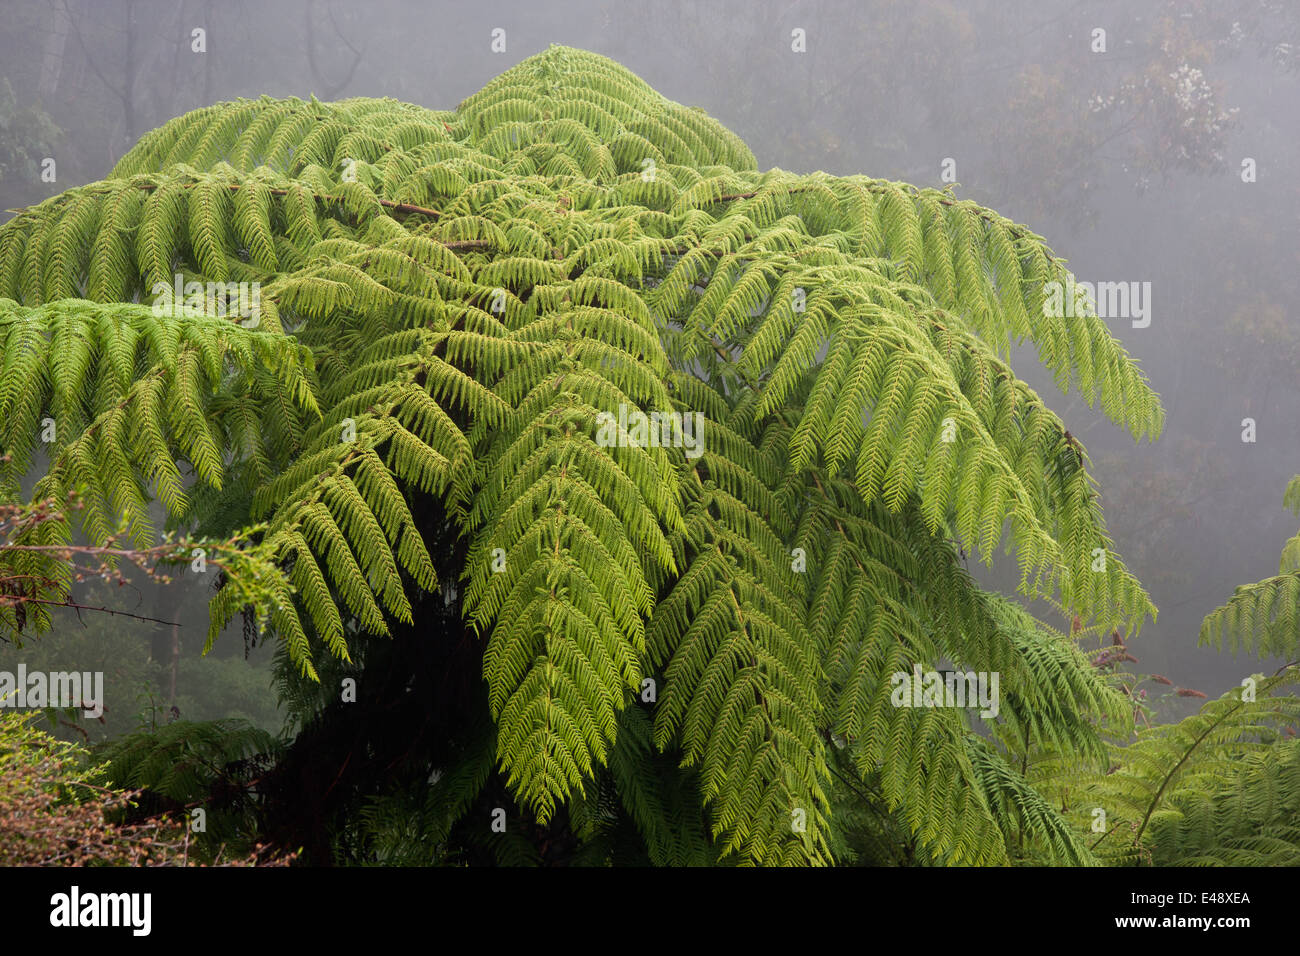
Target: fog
<point>1169,157</point>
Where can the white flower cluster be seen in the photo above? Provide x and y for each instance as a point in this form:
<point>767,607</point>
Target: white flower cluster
<point>1194,97</point>
<point>1097,102</point>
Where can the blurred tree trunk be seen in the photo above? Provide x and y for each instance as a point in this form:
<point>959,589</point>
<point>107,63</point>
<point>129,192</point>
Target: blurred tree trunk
<point>175,664</point>
<point>53,53</point>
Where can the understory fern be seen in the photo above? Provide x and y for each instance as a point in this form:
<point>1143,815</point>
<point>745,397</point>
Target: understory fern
<point>1217,788</point>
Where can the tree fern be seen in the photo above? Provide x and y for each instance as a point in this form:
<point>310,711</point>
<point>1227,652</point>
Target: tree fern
<point>453,304</point>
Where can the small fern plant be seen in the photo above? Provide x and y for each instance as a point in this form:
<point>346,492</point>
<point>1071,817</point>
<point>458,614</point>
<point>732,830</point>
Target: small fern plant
<point>1221,787</point>
<point>712,442</point>
<point>1264,617</point>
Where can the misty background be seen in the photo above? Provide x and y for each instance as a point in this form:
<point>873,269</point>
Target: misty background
<point>1128,159</point>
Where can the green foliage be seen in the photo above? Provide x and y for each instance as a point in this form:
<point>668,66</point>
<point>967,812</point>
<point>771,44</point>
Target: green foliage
<point>1264,617</point>
<point>452,303</point>
<point>186,765</point>
<point>1248,819</point>
<point>179,759</point>
<point>1216,788</point>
